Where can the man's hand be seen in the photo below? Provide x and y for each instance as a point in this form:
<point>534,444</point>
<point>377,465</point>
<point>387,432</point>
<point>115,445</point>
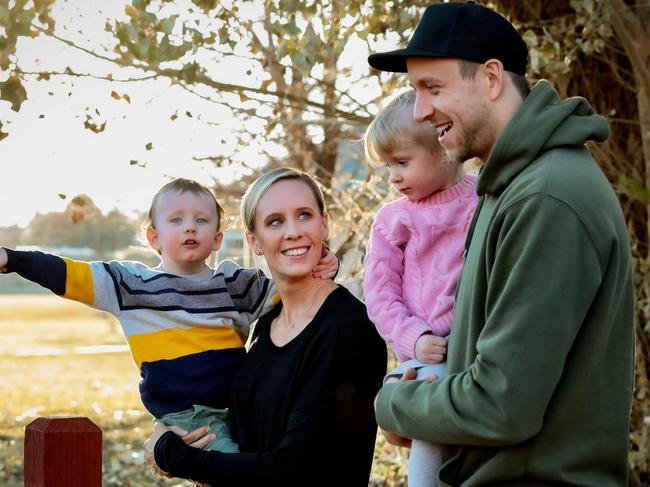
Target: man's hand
<point>3,260</point>
<point>394,438</point>
<point>430,349</point>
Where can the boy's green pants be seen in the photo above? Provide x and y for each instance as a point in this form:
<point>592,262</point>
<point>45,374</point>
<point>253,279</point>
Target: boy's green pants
<point>197,416</point>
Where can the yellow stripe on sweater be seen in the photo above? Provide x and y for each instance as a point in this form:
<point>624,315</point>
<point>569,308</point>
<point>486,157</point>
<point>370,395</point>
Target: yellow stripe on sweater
<point>79,281</point>
<point>176,342</point>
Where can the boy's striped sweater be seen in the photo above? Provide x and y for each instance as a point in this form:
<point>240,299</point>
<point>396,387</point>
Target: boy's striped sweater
<point>186,333</point>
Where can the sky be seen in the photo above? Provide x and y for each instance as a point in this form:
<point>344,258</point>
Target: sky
<point>49,152</point>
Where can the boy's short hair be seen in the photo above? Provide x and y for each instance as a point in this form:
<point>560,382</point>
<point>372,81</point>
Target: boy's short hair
<point>182,185</point>
<point>394,127</point>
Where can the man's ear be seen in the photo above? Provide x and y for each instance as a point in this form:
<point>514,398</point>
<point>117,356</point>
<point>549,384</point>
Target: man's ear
<point>494,75</point>
<point>218,239</point>
<point>152,238</point>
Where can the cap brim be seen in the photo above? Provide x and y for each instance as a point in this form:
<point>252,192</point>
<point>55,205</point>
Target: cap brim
<point>395,61</point>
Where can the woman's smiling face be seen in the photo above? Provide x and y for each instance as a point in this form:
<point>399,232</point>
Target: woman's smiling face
<point>289,228</point>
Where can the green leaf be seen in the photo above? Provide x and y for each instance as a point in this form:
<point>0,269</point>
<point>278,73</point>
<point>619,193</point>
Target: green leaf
<point>91,125</point>
<point>5,19</point>
<point>143,47</point>
<point>139,4</point>
<point>530,38</point>
<point>167,25</point>
<point>189,72</point>
<point>131,11</point>
<point>149,146</point>
<point>14,92</point>
<point>3,134</point>
<point>293,29</point>
<point>21,22</point>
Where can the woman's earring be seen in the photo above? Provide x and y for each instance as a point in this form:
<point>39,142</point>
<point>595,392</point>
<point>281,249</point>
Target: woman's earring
<point>325,248</point>
<point>258,252</point>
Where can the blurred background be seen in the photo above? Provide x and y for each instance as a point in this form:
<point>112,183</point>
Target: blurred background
<point>102,102</point>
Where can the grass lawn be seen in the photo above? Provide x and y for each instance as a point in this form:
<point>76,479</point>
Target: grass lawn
<point>48,369</point>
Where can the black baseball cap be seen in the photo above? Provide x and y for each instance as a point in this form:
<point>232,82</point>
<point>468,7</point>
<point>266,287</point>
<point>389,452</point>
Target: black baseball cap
<point>459,30</point>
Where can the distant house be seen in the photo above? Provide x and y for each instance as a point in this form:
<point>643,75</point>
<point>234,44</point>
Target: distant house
<point>232,246</point>
<point>77,253</point>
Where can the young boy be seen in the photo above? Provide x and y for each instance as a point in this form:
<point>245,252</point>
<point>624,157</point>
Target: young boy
<point>185,323</point>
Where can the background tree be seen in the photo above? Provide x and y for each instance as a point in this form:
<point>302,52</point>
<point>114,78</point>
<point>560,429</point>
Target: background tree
<point>81,225</point>
<point>302,93</point>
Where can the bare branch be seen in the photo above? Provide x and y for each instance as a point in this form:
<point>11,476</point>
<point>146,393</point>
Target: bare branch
<point>74,74</point>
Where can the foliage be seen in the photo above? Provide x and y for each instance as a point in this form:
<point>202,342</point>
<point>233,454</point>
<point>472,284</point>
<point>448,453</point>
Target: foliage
<point>301,95</point>
<point>102,387</point>
<point>80,225</point>
<point>302,86</point>
<point>10,236</point>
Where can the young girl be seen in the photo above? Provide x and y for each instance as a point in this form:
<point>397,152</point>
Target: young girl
<point>415,251</point>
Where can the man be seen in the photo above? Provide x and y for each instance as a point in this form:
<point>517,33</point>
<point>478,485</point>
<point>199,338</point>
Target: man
<point>541,355</point>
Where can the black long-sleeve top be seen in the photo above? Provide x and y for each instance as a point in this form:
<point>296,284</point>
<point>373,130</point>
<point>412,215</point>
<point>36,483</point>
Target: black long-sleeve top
<point>302,413</point>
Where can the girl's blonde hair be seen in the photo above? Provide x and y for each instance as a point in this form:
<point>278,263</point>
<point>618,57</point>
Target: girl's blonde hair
<point>260,186</point>
<point>394,127</point>
<point>182,185</point>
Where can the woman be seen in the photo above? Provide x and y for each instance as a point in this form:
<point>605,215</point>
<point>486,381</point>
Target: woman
<point>301,404</point>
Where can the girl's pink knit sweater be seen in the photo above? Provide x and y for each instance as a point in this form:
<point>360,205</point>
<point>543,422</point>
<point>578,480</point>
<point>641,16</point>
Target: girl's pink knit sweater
<point>413,262</point>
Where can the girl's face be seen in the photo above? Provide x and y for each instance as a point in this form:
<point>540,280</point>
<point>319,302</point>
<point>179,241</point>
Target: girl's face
<point>416,172</point>
<point>289,229</point>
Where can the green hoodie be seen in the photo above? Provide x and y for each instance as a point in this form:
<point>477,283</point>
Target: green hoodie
<point>541,355</point>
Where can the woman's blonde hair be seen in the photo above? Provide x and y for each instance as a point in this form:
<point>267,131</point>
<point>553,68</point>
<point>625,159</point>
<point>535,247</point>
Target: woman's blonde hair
<point>182,185</point>
<point>394,127</point>
<point>260,186</point>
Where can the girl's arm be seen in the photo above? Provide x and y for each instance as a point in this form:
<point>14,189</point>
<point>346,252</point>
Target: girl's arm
<point>384,293</point>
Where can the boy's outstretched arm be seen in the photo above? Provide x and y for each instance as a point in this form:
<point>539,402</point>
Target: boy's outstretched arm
<point>85,282</point>
<point>328,265</point>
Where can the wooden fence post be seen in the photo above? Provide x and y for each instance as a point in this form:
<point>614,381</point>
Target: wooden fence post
<point>63,452</point>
